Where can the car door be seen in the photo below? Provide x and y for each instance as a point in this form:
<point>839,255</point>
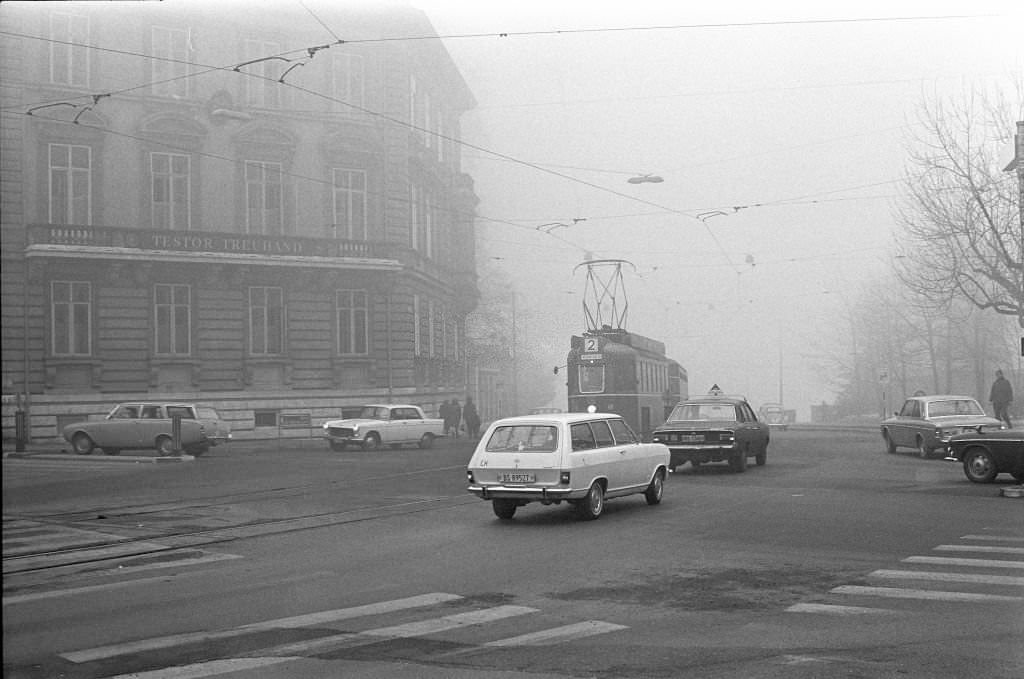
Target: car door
<point>120,429</point>
<point>153,421</point>
<point>406,425</point>
<point>622,471</point>
<point>640,458</point>
<point>908,422</point>
<point>756,432</point>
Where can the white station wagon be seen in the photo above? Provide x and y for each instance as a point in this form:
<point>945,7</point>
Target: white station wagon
<point>581,458</point>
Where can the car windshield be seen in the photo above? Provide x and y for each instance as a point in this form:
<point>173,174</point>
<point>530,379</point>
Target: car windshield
<point>374,413</point>
<point>957,406</point>
<point>725,412</point>
<point>523,438</point>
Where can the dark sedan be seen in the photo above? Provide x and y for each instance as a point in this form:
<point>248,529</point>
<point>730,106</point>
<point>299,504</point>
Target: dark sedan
<point>714,428</point>
<point>988,452</point>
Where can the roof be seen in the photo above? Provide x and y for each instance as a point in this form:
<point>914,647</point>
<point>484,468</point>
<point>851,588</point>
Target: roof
<point>716,398</point>
<point>568,418</point>
<point>940,397</point>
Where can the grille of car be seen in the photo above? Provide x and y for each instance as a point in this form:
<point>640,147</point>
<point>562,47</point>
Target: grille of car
<point>341,431</point>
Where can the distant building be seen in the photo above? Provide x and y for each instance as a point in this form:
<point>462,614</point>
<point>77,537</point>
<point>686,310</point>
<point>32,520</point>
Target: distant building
<point>265,212</point>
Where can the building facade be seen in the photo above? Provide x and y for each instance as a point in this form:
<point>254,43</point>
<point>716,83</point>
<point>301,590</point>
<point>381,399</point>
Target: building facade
<point>247,210</point>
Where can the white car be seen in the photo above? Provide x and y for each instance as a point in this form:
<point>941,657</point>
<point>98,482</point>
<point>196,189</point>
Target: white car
<point>384,424</point>
<point>579,458</point>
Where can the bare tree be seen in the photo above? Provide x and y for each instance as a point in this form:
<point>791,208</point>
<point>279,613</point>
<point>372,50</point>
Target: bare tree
<point>963,233</point>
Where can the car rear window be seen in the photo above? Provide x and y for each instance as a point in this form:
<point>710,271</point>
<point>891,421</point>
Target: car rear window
<point>954,407</point>
<point>725,412</point>
<point>523,438</point>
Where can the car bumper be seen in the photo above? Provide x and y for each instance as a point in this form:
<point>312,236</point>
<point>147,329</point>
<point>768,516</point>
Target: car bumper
<point>701,453</point>
<point>526,493</point>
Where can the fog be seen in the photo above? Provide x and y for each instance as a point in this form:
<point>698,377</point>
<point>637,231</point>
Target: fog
<point>778,130</point>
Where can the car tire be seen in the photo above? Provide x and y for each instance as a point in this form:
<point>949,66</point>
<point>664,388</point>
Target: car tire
<point>82,443</point>
<point>762,457</point>
<point>164,446</point>
<point>922,449</point>
<point>426,441</point>
<point>656,489</point>
<point>371,442</point>
<point>890,447</point>
<point>591,506</point>
<point>504,509</point>
<point>338,446</point>
<point>979,467</point>
<point>738,462</point>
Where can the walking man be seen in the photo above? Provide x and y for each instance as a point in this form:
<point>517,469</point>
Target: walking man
<point>1001,397</point>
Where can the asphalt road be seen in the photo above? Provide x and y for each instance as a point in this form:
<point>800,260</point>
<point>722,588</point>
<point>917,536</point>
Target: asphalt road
<point>833,560</point>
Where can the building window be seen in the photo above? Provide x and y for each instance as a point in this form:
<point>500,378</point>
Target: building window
<point>172,54</point>
<point>71,314</point>
<point>69,54</point>
<point>261,87</point>
<point>350,204</point>
<point>417,339</point>
<point>172,199</point>
<point>422,227</point>
<point>264,196</point>
<point>264,418</point>
<point>353,326</point>
<point>173,314</point>
<point>266,321</point>
<point>348,83</point>
<point>70,184</point>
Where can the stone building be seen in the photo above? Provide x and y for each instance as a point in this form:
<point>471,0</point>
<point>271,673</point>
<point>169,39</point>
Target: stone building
<point>260,211</point>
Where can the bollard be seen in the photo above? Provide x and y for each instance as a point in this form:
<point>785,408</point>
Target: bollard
<point>176,434</point>
<point>20,431</point>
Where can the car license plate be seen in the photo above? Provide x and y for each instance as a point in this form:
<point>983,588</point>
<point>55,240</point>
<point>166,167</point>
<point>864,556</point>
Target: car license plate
<point>516,478</point>
<point>691,438</point>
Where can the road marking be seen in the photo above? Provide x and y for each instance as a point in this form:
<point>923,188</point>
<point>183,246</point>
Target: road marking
<point>558,634</point>
<point>949,577</point>
<point>952,561</point>
<point>980,548</point>
<point>413,629</point>
<point>311,619</point>
<point>994,538</point>
<point>830,609</point>
<point>206,669</point>
<point>900,593</point>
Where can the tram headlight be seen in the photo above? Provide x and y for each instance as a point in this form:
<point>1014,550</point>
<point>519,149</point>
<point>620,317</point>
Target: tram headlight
<point>591,408</point>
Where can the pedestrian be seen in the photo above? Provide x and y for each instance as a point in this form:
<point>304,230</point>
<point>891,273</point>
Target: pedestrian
<point>455,418</point>
<point>444,412</point>
<point>472,419</point>
<point>1001,397</point>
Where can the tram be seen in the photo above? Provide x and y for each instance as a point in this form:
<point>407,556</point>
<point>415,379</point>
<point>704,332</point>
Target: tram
<point>624,373</point>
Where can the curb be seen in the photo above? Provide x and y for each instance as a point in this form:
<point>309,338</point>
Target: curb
<point>99,458</point>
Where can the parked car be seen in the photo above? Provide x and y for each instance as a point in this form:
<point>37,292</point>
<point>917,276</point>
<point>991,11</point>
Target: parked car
<point>384,424</point>
<point>579,458</point>
<point>714,428</point>
<point>140,425</point>
<point>985,453</point>
<point>926,423</point>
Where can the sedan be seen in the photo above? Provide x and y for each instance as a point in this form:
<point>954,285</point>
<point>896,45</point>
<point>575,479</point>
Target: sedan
<point>987,453</point>
<point>926,423</point>
<point>714,428</point>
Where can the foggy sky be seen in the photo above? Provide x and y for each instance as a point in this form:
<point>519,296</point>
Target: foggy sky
<point>796,121</point>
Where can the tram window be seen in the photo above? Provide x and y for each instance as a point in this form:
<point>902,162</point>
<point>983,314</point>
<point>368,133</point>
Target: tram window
<point>623,434</point>
<point>602,434</point>
<point>591,379</point>
<point>582,437</point>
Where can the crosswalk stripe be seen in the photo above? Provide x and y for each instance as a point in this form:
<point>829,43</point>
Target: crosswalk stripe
<point>980,548</point>
<point>312,619</point>
<point>1009,580</point>
<point>558,634</point>
<point>953,561</point>
<point>206,669</point>
<point>413,629</point>
<point>835,610</point>
<point>900,593</point>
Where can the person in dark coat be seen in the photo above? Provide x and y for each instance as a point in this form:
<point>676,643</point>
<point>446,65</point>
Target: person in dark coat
<point>451,423</point>
<point>444,412</point>
<point>472,419</point>
<point>1001,397</point>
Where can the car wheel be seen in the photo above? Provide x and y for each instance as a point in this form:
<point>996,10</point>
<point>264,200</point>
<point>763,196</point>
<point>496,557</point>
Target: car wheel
<point>890,447</point>
<point>738,462</point>
<point>338,446</point>
<point>426,441</point>
<point>656,489</point>
<point>504,509</point>
<point>371,442</point>
<point>112,451</point>
<point>82,444</point>
<point>922,449</point>
<point>164,446</point>
<point>979,466</point>
<point>762,457</point>
<point>592,505</point>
